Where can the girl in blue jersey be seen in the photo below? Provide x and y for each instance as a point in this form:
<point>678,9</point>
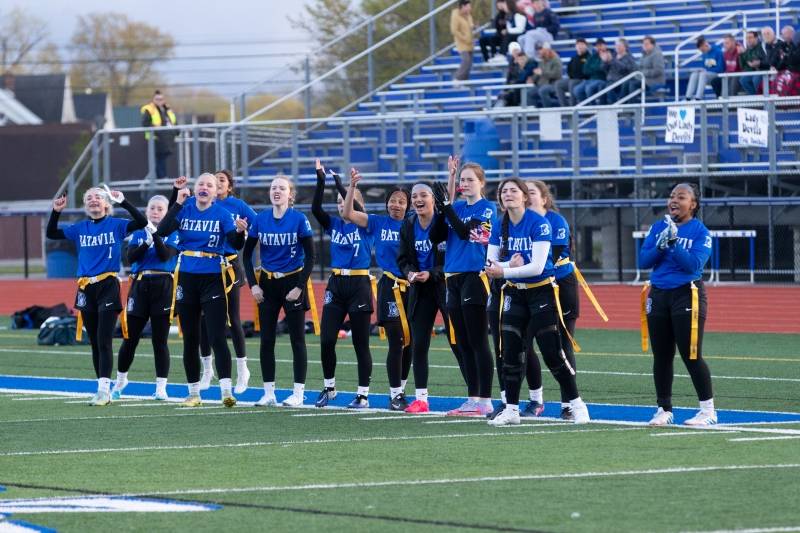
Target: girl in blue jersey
<point>152,261</point>
<point>466,226</point>
<point>421,262</point>
<point>99,243</point>
<point>527,300</point>
<point>392,294</point>
<point>347,294</point>
<point>203,281</point>
<point>286,249</point>
<point>677,249</point>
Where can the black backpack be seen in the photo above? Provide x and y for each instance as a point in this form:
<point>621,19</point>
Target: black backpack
<point>35,315</point>
<point>60,332</point>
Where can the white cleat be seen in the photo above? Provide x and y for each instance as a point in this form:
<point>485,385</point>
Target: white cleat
<point>580,413</point>
<point>268,400</point>
<point>294,400</point>
<point>205,381</point>
<point>507,417</point>
<point>160,395</point>
<point>661,418</point>
<point>242,379</point>
<point>703,418</point>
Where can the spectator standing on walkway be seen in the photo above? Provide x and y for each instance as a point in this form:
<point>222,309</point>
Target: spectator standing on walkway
<point>157,114</point>
<point>461,25</point>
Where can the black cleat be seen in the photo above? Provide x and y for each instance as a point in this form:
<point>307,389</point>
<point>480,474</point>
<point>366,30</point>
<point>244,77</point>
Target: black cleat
<point>533,409</point>
<point>497,410</point>
<point>566,414</point>
<point>398,403</point>
<point>326,395</point>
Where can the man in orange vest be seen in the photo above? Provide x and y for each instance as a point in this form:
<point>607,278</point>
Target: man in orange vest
<point>157,114</point>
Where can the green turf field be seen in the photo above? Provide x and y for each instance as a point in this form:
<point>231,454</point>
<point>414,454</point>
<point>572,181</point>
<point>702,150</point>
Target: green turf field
<point>296,470</point>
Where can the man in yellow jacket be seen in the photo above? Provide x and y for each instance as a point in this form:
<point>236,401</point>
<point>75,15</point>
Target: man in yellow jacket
<point>461,26</point>
<point>157,114</point>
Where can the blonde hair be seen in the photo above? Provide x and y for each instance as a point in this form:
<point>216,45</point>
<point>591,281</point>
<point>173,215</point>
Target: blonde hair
<point>292,187</point>
<point>104,195</point>
<point>158,198</point>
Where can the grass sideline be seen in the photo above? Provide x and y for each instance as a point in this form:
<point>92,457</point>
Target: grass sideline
<point>299,469</point>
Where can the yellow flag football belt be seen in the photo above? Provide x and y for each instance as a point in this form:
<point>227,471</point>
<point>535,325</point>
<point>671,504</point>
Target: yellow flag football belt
<point>224,267</point>
<point>694,332</point>
<point>82,284</point>
<point>585,286</point>
<point>312,301</point>
<point>400,286</point>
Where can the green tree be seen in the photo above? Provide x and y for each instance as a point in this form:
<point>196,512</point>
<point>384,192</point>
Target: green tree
<point>117,55</point>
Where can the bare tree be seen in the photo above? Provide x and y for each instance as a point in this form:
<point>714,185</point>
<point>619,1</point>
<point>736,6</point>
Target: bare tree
<point>20,33</point>
<point>116,54</point>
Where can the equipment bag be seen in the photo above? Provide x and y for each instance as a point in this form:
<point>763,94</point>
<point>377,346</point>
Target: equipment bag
<point>59,332</point>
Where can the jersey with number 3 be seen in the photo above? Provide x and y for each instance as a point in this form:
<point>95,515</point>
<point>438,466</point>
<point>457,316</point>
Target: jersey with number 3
<point>521,236</point>
<point>99,244</point>
<point>693,237</point>
<point>351,246</point>
<point>203,231</point>
<point>560,238</point>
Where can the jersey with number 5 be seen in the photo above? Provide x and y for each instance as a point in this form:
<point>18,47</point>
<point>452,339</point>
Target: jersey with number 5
<point>203,231</point>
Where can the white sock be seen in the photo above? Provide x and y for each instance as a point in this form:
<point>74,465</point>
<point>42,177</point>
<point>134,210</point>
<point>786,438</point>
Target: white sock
<point>194,389</point>
<point>122,378</point>
<point>103,385</point>
<point>485,402</point>
<point>161,384</point>
<point>503,396</point>
<point>363,391</point>
<point>299,389</point>
<point>421,395</point>
<point>707,405</point>
<point>269,388</point>
<point>565,404</point>
<point>403,385</point>
<point>241,365</point>
<point>512,407</point>
<point>225,387</point>
<point>329,383</point>
<point>536,395</point>
<point>206,364</point>
<point>394,391</point>
<point>577,403</point>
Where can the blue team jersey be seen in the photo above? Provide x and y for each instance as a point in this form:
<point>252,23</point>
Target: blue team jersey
<point>203,231</point>
<point>560,229</point>
<point>150,261</point>
<point>466,255</point>
<point>521,236</point>
<point>237,207</point>
<point>426,250</point>
<point>279,239</point>
<point>99,244</point>
<point>351,246</point>
<point>385,231</point>
<point>681,263</point>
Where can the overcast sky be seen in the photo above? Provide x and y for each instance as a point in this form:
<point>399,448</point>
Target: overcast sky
<point>233,27</point>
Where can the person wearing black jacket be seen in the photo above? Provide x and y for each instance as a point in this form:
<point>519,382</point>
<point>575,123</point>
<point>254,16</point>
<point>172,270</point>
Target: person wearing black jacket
<point>421,263</point>
<point>491,42</point>
<point>575,74</point>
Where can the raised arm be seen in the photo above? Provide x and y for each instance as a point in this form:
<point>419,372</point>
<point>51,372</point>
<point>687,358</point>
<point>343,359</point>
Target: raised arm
<point>52,223</point>
<point>358,218</point>
<point>169,223</point>
<point>319,213</point>
<point>337,180</point>
<point>453,163</point>
<point>444,206</point>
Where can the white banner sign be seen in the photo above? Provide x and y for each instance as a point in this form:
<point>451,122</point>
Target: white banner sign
<point>753,127</point>
<point>550,126</point>
<point>680,125</point>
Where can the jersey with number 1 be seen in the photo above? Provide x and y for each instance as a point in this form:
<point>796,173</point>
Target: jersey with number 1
<point>99,244</point>
<point>203,231</point>
<point>521,236</point>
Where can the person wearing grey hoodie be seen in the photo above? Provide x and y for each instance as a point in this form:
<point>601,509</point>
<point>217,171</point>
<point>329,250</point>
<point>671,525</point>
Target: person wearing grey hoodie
<point>617,68</point>
<point>652,66</point>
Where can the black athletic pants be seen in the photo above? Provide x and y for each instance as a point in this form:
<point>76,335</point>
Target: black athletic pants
<point>268,316</point>
<point>398,358</point>
<point>160,327</point>
<point>234,316</point>
<point>332,320</point>
<point>669,322</point>
<point>212,313</point>
<point>466,307</point>
<point>100,328</point>
<point>533,368</point>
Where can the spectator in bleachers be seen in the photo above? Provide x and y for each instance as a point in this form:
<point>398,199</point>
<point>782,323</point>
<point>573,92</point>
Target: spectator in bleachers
<point>543,17</point>
<point>461,25</point>
<point>520,71</point>
<point>617,67</point>
<point>713,65</point>
<point>788,36</point>
<point>496,41</point>
<point>731,49</point>
<point>653,67</point>
<point>753,59</point>
<point>594,71</point>
<point>516,21</point>
<point>575,74</point>
<point>543,26</point>
<point>774,49</point>
<point>545,76</point>
<point>787,81</point>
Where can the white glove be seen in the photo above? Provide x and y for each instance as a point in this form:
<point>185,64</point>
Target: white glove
<point>115,197</point>
<point>258,293</point>
<point>673,229</point>
<point>149,230</point>
<point>663,238</point>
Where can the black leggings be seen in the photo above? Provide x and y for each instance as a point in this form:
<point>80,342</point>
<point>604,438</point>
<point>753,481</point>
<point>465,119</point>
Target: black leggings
<point>566,345</point>
<point>665,333</point>
<point>212,313</point>
<point>533,368</point>
<point>332,320</point>
<point>100,328</point>
<point>471,325</point>
<point>237,333</point>
<point>421,325</point>
<point>160,328</point>
<point>268,315</point>
<point>398,358</point>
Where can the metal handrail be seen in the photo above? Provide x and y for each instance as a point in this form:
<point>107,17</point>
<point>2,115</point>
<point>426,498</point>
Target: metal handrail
<point>694,36</point>
<point>595,96</point>
<point>349,62</point>
<point>365,22</point>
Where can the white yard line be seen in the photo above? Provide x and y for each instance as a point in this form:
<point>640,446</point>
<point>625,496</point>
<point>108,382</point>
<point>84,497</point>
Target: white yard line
<point>28,399</point>
<point>752,530</point>
<point>413,417</point>
<point>688,433</point>
<point>750,439</point>
<point>481,435</point>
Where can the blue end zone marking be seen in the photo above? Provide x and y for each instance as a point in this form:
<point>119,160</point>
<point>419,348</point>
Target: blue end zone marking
<point>2,488</point>
<point>612,412</point>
